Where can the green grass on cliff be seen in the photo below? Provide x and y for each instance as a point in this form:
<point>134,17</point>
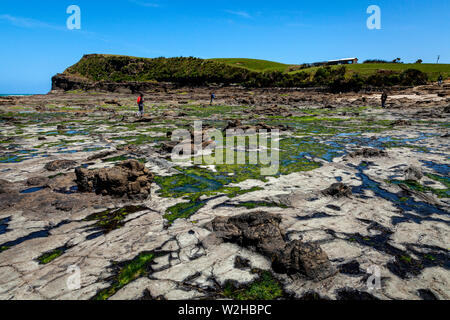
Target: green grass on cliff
<point>249,72</point>
<point>254,64</point>
<point>432,70</point>
<point>184,70</point>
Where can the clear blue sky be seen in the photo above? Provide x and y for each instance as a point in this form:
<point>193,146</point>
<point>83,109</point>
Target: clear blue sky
<point>35,43</point>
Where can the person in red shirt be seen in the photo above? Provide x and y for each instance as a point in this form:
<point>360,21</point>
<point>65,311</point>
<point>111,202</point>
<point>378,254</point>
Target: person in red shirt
<point>140,102</point>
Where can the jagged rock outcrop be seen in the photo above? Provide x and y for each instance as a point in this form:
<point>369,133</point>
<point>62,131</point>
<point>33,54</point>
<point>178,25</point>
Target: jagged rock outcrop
<point>237,125</point>
<point>60,165</point>
<point>37,181</point>
<point>338,190</point>
<point>65,82</point>
<point>6,186</point>
<point>368,153</point>
<point>261,232</point>
<point>413,173</point>
<point>129,178</point>
<point>400,123</point>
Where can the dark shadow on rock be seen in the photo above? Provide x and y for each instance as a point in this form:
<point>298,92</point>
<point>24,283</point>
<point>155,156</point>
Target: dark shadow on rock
<point>351,268</point>
<point>348,294</point>
<point>426,294</point>
<point>241,263</point>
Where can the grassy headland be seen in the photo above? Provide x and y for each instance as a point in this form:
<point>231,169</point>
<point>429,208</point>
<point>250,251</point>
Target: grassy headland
<point>251,72</point>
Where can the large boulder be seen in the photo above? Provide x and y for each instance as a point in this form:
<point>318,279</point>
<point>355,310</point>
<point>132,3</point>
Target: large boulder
<point>338,190</point>
<point>37,181</point>
<point>413,173</point>
<point>306,258</point>
<point>60,165</point>
<point>261,232</point>
<point>129,178</point>
<point>368,153</point>
<point>6,186</point>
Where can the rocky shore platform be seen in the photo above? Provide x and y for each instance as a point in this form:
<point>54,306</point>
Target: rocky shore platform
<point>92,206</point>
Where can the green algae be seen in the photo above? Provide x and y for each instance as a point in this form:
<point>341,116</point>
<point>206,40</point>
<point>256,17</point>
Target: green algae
<point>12,159</point>
<point>187,209</point>
<point>206,111</point>
<point>266,287</point>
<point>191,185</point>
<point>116,159</point>
<point>60,143</point>
<point>232,192</point>
<point>414,185</point>
<point>140,139</point>
<point>259,204</point>
<point>48,257</point>
<point>444,180</point>
<point>194,182</point>
<point>406,259</point>
<point>331,111</point>
<point>183,210</point>
<point>401,144</point>
<point>128,272</point>
<point>124,158</point>
<point>110,220</point>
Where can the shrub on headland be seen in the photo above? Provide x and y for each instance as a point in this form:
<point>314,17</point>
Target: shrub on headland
<point>409,77</point>
<point>376,61</point>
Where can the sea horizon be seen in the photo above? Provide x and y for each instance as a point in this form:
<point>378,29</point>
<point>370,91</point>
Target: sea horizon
<point>16,94</point>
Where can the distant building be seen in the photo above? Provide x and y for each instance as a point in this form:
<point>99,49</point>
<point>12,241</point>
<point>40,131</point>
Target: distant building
<point>333,62</point>
<point>343,61</point>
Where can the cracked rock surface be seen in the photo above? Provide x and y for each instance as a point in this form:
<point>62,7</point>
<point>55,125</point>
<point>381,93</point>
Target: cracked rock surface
<point>133,224</point>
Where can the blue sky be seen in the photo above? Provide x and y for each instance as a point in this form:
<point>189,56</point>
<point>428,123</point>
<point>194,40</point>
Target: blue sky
<point>35,43</point>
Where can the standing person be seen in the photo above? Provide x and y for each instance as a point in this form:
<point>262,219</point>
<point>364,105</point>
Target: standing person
<point>140,102</point>
<point>440,80</point>
<point>213,96</point>
<point>384,97</point>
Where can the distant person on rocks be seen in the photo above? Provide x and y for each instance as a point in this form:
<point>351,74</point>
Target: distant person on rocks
<point>140,102</point>
<point>213,96</point>
<point>384,97</point>
<point>440,79</point>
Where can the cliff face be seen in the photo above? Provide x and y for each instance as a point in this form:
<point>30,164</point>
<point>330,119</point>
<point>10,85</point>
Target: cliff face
<point>64,82</point>
<point>130,74</point>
